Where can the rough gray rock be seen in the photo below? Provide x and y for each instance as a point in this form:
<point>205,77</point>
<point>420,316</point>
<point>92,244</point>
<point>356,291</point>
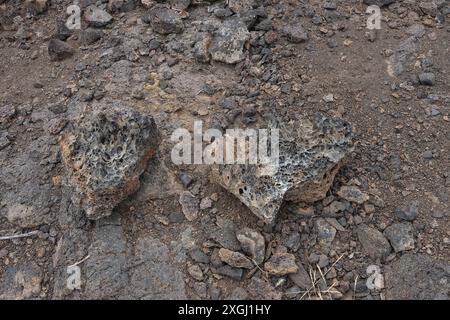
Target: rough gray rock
<point>201,47</point>
<point>353,194</point>
<point>235,259</point>
<point>325,231</point>
<point>105,151</point>
<point>281,264</point>
<point>396,62</point>
<point>241,6</point>
<point>295,33</point>
<point>373,242</point>
<point>228,41</point>
<point>180,4</point>
<point>4,140</point>
<point>59,50</point>
<point>121,5</point>
<point>301,278</point>
<point>225,234</point>
<point>416,277</point>
<point>401,236</point>
<point>90,36</point>
<point>190,205</point>
<point>96,17</point>
<point>310,154</point>
<point>408,213</point>
<point>252,243</point>
<point>427,79</point>
<point>164,20</point>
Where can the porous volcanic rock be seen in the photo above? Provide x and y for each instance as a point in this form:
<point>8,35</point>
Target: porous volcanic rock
<point>105,151</point>
<point>310,154</point>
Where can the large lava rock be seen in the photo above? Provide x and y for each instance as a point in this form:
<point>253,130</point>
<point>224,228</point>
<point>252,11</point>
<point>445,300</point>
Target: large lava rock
<point>310,155</point>
<point>105,151</point>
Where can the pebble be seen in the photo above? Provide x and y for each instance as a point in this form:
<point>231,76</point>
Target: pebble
<point>427,79</point>
<point>59,50</point>
<point>373,241</point>
<point>235,259</point>
<point>353,194</point>
<point>252,243</point>
<point>401,236</point>
<point>195,272</point>
<point>189,204</point>
<point>408,213</point>
<point>96,17</point>
<point>295,33</point>
<point>325,231</point>
<point>199,256</point>
<point>233,273</point>
<point>164,20</point>
<point>281,264</point>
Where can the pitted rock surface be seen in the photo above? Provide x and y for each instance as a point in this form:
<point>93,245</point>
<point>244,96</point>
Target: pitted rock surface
<point>105,151</point>
<point>310,155</point>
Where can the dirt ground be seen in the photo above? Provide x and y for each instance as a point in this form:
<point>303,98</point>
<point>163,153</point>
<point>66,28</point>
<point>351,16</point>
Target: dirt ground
<point>391,85</point>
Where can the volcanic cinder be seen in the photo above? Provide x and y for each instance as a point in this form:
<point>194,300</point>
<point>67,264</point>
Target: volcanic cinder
<point>310,154</point>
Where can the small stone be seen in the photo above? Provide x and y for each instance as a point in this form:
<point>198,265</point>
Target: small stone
<point>199,256</point>
<point>240,6</point>
<point>334,208</point>
<point>185,179</point>
<point>252,243</point>
<point>235,259</point>
<point>429,7</point>
<point>427,155</point>
<point>323,261</point>
<point>409,213</point>
<point>189,204</point>
<point>353,194</point>
<point>225,234</point>
<point>165,21</point>
<point>90,36</point>
<point>281,264</point>
<point>417,30</point>
<point>233,273</point>
<point>328,98</point>
<point>36,6</point>
<point>201,47</point>
<point>301,278</point>
<point>295,33</point>
<point>62,32</point>
<point>59,50</point>
<point>325,231</point>
<point>4,140</point>
<point>373,242</point>
<point>228,41</point>
<point>427,79</point>
<point>329,5</point>
<point>401,236</point>
<point>96,17</point>
<point>206,203</point>
<point>195,272</point>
